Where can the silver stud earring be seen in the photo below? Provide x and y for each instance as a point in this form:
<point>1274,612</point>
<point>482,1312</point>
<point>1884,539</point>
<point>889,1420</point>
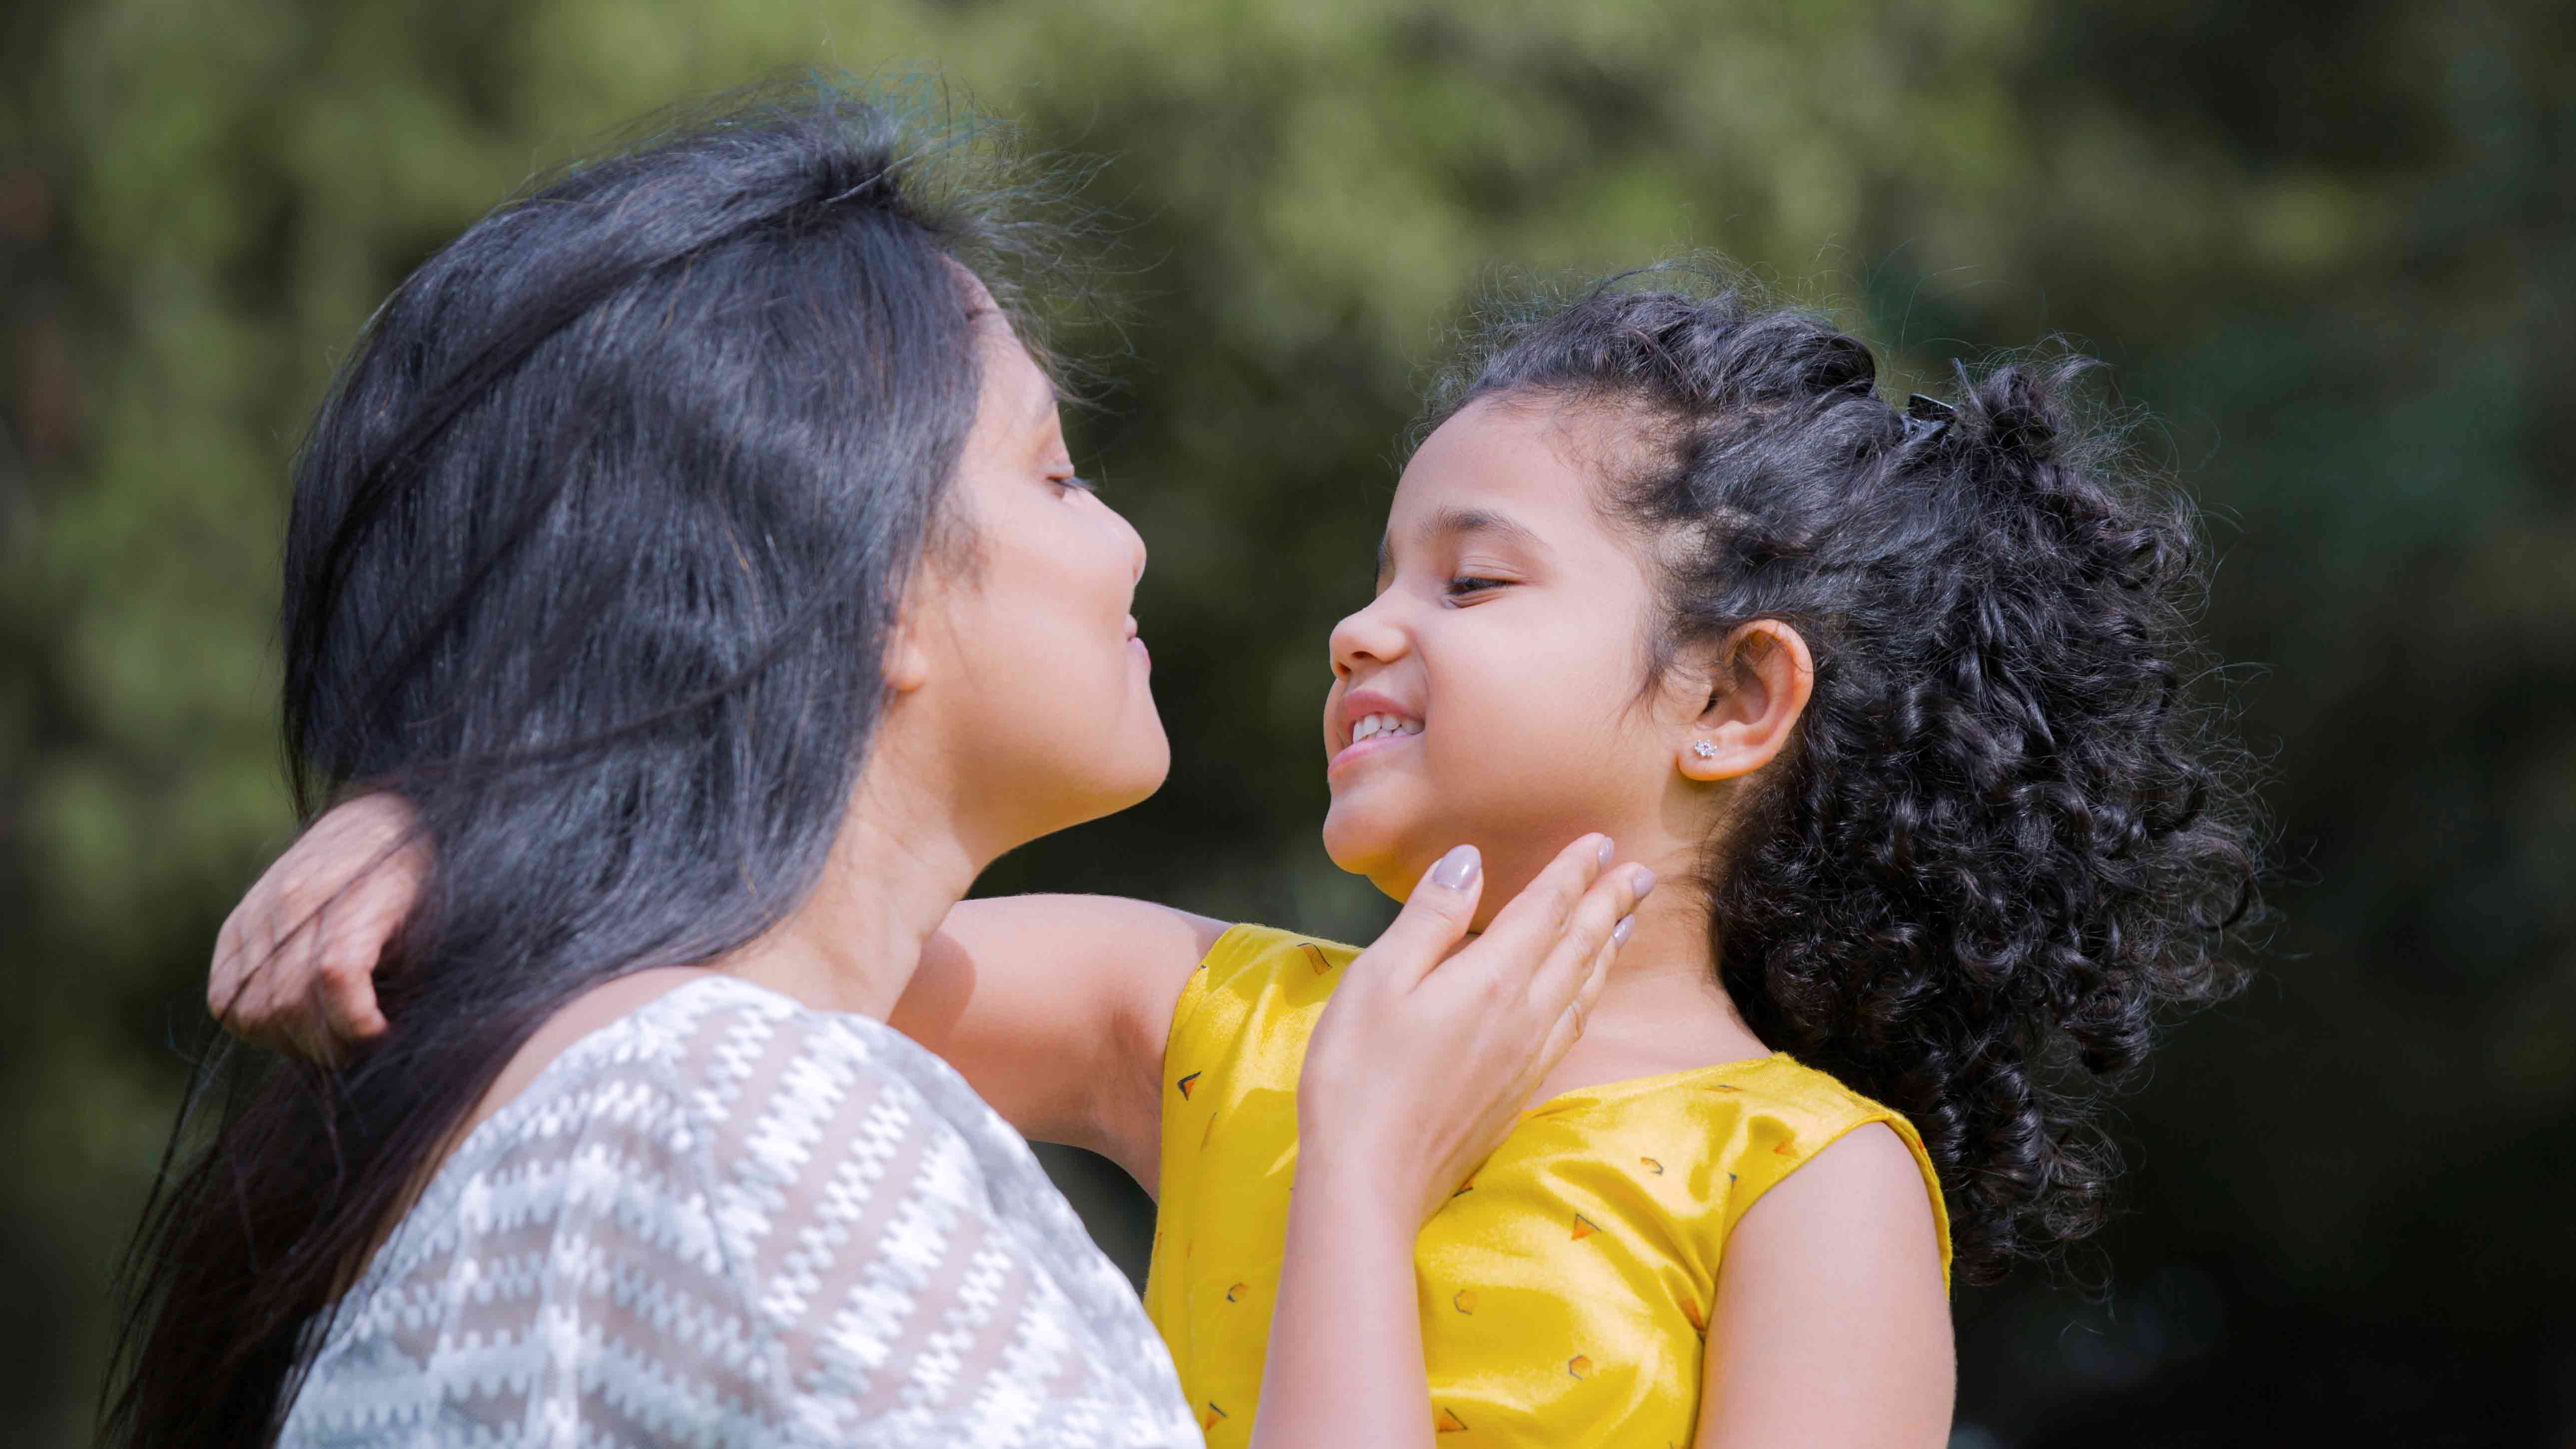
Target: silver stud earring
<point>1704,750</point>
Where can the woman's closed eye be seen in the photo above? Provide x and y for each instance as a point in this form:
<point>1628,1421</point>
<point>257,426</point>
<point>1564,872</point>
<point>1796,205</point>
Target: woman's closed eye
<point>1073,483</point>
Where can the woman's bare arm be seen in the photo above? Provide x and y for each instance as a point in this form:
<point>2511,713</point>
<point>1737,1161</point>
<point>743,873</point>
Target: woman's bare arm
<point>1832,1324</point>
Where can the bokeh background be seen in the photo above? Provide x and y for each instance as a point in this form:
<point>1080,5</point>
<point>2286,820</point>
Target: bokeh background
<point>2327,247</point>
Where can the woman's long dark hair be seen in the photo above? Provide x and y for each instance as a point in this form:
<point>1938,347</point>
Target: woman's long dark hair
<point>2006,837</point>
<point>595,547</point>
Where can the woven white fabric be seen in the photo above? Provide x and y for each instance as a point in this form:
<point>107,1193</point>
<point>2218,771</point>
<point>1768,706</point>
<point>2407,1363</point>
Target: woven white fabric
<point>730,1220</point>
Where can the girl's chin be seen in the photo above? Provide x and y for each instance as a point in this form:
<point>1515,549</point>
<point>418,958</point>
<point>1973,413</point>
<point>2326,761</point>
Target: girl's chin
<point>1390,863</point>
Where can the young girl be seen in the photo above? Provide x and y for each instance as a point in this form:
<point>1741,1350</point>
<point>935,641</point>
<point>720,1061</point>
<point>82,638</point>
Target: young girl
<point>1902,691</point>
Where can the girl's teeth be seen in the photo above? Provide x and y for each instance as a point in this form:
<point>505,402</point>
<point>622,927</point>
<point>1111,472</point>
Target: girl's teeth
<point>1372,726</point>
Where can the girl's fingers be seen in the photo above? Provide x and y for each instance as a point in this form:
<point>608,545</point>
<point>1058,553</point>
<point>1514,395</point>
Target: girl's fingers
<point>349,1011</point>
<point>1567,1028</point>
<point>1588,934</point>
<point>1434,920</point>
<point>224,983</point>
<point>1527,929</point>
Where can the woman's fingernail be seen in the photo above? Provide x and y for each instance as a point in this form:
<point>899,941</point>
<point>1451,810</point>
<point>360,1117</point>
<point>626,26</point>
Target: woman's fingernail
<point>1620,932</point>
<point>1645,882</point>
<point>1609,851</point>
<point>1457,868</point>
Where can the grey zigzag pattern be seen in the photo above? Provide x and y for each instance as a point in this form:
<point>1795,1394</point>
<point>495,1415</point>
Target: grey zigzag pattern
<point>728,1220</point>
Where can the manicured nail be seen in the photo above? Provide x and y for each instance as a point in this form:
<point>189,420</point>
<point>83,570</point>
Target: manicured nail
<point>1609,851</point>
<point>1619,933</point>
<point>1645,882</point>
<point>1457,868</point>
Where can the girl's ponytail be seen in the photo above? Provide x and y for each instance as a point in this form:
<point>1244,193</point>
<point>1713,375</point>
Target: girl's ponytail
<point>2006,840</point>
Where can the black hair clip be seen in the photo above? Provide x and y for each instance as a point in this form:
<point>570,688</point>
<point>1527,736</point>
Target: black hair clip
<point>1926,418</point>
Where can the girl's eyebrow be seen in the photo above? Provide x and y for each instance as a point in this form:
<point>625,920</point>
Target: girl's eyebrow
<point>1451,524</point>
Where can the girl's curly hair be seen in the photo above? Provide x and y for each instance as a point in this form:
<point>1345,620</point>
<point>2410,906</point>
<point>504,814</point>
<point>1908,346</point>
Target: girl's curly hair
<point>2006,837</point>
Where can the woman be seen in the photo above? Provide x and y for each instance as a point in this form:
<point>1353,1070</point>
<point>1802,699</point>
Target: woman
<point>693,544</point>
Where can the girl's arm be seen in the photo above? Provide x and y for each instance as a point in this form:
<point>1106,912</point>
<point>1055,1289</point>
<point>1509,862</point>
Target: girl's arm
<point>1832,1323</point>
<point>1054,1008</point>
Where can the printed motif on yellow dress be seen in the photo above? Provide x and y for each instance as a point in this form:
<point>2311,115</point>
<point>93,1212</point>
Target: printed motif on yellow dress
<point>1558,1241</point>
<point>1208,1420</point>
<point>1184,1085</point>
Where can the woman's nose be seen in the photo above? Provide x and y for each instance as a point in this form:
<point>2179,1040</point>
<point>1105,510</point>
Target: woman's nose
<point>1134,541</point>
<point>1365,635</point>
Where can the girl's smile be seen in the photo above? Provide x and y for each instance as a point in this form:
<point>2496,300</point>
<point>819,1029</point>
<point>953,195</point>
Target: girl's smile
<point>1368,723</point>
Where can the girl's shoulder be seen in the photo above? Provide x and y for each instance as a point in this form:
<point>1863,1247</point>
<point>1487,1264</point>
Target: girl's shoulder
<point>1248,954</point>
<point>1256,983</point>
<point>1724,1135</point>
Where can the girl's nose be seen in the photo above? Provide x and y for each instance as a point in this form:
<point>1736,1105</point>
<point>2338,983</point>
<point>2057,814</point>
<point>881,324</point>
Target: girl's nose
<point>1367,635</point>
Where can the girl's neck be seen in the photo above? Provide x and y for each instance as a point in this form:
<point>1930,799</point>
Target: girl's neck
<point>1662,1007</point>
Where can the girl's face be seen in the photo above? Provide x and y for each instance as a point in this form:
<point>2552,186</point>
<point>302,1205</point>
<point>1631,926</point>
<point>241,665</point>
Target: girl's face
<point>1045,713</point>
<point>1491,691</point>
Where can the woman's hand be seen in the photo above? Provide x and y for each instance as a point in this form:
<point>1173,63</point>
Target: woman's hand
<point>1429,1050</point>
<point>295,962</point>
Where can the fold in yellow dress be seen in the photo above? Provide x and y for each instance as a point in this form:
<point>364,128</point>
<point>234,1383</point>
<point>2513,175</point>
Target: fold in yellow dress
<point>1565,1287</point>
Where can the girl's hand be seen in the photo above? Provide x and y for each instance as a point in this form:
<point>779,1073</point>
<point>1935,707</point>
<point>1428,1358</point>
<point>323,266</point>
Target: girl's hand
<point>295,962</point>
<point>1428,1050</point>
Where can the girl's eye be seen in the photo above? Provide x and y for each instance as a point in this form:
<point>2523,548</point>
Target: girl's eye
<point>1470,584</point>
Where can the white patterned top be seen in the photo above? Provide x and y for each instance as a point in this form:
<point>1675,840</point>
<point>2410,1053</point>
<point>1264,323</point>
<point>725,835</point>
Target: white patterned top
<point>730,1220</point>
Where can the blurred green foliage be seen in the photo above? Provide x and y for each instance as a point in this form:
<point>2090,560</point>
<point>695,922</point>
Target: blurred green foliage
<point>2330,249</point>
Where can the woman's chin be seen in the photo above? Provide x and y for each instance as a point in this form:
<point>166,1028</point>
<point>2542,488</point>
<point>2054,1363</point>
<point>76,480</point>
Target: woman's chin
<point>1146,775</point>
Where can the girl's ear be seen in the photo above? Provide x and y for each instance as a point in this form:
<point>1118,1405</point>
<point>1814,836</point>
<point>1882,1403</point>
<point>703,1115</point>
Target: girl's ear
<point>1758,686</point>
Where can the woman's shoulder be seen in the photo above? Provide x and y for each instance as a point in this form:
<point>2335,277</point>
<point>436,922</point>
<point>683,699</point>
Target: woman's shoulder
<point>760,1204</point>
<point>772,1081</point>
<point>721,1081</point>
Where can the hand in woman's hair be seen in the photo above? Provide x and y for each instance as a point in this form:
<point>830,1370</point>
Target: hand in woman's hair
<point>295,962</point>
<point>1429,1049</point>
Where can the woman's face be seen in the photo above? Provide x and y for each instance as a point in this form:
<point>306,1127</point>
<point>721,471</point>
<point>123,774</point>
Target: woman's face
<point>1506,644</point>
<point>1046,716</point>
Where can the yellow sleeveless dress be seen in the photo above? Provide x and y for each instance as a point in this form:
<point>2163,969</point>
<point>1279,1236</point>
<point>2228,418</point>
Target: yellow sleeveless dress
<point>1565,1287</point>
